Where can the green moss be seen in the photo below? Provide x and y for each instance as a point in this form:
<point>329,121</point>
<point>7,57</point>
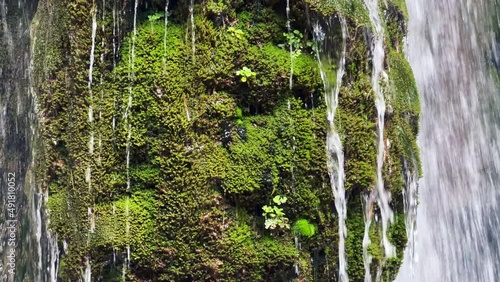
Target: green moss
<point>404,92</point>
<point>354,10</point>
<point>254,259</point>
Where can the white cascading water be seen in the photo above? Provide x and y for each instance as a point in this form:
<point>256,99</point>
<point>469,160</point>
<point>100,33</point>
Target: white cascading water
<point>101,81</point>
<point>126,264</point>
<point>410,198</point>
<point>193,34</point>
<point>378,54</point>
<point>453,54</point>
<point>88,267</point>
<point>367,203</point>
<point>127,234</point>
<point>114,41</point>
<point>332,83</point>
<point>128,110</point>
<point>289,29</point>
<point>165,34</point>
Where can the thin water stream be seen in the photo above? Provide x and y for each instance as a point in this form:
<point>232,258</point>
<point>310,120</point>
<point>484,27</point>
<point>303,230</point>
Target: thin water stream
<point>332,82</point>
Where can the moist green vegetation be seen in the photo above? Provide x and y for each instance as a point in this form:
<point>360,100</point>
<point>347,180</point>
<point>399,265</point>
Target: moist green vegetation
<point>213,138</point>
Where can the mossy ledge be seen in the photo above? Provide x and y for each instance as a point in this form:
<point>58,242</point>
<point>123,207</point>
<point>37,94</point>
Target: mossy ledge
<point>211,146</point>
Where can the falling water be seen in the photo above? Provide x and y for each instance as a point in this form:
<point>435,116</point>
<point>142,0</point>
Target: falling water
<point>289,29</point>
<point>101,82</point>
<point>115,26</point>
<point>26,220</point>
<point>130,96</point>
<point>325,44</point>
<point>87,276</point>
<point>410,198</point>
<point>127,237</point>
<point>165,37</point>
<point>193,34</point>
<point>367,204</point>
<point>126,264</point>
<point>88,176</point>
<point>453,53</point>
<point>377,49</point>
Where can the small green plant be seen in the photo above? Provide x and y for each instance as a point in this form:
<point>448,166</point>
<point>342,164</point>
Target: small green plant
<point>304,228</point>
<point>294,39</point>
<point>156,16</point>
<point>245,74</point>
<point>275,217</point>
<point>238,33</point>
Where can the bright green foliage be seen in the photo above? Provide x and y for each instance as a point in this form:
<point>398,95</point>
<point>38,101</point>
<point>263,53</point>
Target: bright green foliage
<point>404,93</point>
<point>275,217</point>
<point>252,258</point>
<point>155,17</point>
<point>236,32</point>
<point>245,74</point>
<point>355,10</point>
<point>294,39</point>
<point>304,228</point>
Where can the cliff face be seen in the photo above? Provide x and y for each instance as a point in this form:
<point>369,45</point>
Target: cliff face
<point>166,141</point>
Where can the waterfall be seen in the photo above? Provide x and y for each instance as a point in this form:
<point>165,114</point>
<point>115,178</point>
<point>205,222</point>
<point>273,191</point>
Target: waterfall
<point>114,42</point>
<point>126,264</point>
<point>454,61</point>
<point>101,82</point>
<point>87,276</point>
<point>88,176</point>
<point>289,29</point>
<point>367,204</point>
<point>193,34</point>
<point>27,249</point>
<point>53,268</point>
<point>130,96</point>
<point>335,156</point>
<point>410,198</point>
<point>377,48</point>
<point>165,37</point>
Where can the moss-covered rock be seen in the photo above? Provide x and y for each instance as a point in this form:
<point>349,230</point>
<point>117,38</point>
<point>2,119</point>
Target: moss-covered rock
<point>207,149</point>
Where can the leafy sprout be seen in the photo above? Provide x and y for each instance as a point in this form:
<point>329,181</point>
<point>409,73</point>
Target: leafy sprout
<point>245,74</point>
<point>275,217</point>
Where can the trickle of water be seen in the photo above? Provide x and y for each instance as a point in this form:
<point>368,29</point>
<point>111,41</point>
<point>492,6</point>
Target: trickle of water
<point>165,37</point>
<point>90,81</point>
<point>367,204</point>
<point>54,257</point>
<point>410,197</point>
<point>289,28</point>
<point>126,264</point>
<point>378,55</point>
<point>193,34</point>
<point>88,174</point>
<point>91,219</point>
<point>332,83</point>
<point>130,97</point>
<point>87,275</point>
